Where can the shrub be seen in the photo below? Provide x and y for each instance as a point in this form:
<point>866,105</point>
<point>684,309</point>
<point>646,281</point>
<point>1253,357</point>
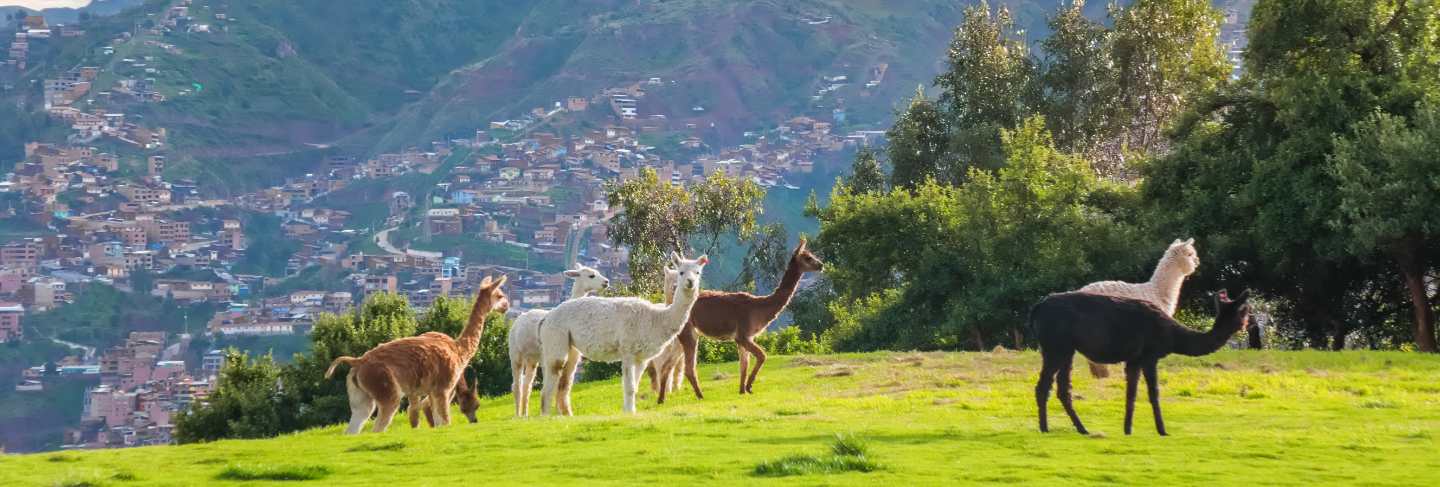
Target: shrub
<point>274,473</point>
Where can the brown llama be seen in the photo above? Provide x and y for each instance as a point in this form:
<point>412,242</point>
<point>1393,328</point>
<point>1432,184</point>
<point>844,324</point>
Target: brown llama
<point>1108,330</point>
<point>465,396</point>
<point>740,317</point>
<point>426,365</point>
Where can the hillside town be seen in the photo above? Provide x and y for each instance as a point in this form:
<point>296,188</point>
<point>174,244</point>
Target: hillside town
<point>523,196</point>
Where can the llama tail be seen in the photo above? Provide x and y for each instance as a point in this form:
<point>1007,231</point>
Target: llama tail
<point>339,360</point>
<point>1099,371</point>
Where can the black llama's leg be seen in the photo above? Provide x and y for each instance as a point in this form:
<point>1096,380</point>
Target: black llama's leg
<point>1042,389</point>
<point>1062,378</point>
<point>1132,378</point>
<point>1152,385</point>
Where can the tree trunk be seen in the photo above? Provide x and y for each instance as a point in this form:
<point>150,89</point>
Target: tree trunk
<point>1256,340</point>
<point>1409,255</point>
<point>979,338</point>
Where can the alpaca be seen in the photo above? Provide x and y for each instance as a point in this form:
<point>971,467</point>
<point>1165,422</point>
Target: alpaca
<point>1162,290</point>
<point>628,330</point>
<point>464,395</point>
<point>665,369</point>
<point>524,337</point>
<point>740,317</point>
<point>425,365</point>
<point>1108,329</point>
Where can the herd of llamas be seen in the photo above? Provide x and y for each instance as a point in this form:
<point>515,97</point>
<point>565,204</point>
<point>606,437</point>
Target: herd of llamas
<point>1108,322</point>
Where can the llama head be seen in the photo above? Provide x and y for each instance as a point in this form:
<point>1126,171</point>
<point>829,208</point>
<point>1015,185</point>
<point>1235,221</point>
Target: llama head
<point>469,401</point>
<point>588,279</point>
<point>808,262</point>
<point>672,277</point>
<point>1234,314</point>
<point>1183,256</point>
<point>687,274</point>
<point>490,290</point>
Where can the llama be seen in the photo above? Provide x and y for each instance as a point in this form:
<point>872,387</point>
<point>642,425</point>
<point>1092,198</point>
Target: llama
<point>524,337</point>
<point>1108,329</point>
<point>740,317</point>
<point>425,365</point>
<point>628,330</point>
<point>464,395</point>
<point>1162,290</point>
<point>665,369</point>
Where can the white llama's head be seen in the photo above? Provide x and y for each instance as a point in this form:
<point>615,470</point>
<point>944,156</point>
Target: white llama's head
<point>1183,256</point>
<point>687,282</point>
<point>587,279</point>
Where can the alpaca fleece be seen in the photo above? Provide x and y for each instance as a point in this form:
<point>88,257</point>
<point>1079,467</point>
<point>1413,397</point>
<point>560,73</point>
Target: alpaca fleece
<point>524,338</point>
<point>1162,290</point>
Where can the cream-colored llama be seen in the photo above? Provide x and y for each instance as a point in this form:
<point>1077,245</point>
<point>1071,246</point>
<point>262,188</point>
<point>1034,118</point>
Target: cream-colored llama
<point>627,330</point>
<point>1162,290</point>
<point>668,369</point>
<point>524,337</point>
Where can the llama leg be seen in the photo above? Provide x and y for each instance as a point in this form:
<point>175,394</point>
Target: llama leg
<point>441,402</point>
<point>1132,377</point>
<point>759,353</point>
<point>744,364</point>
<point>549,394</point>
<point>626,376</point>
<point>517,379</point>
<point>527,388</point>
<point>413,411</point>
<point>382,387</point>
<point>654,376</point>
<point>690,343</point>
<point>1062,381</point>
<point>388,406</point>
<point>567,382</point>
<point>361,405</point>
<point>1042,392</point>
<point>1152,386</point>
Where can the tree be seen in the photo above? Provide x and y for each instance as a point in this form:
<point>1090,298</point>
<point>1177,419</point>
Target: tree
<point>242,405</point>
<point>1389,178</point>
<point>1080,86</point>
<point>726,205</point>
<point>659,218</point>
<point>865,173</point>
<point>765,259</point>
<point>917,142</point>
<point>1166,54</point>
<point>987,86</point>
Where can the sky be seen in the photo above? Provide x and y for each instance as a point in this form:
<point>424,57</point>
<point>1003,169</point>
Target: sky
<point>43,4</point>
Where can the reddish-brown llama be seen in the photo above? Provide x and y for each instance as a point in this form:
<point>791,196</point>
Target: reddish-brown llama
<point>740,317</point>
<point>425,365</point>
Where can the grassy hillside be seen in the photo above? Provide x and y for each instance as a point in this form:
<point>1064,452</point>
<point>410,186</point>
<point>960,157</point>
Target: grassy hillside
<point>1237,418</point>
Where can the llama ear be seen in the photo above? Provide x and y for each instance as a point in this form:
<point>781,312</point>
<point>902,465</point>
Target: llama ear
<point>1191,241</point>
<point>675,258</point>
<point>803,242</point>
<point>500,282</point>
<point>484,283</point>
<point>572,273</point>
<point>703,260</point>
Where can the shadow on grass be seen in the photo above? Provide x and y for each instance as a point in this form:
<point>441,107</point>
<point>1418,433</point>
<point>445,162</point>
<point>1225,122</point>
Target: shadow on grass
<point>847,454</point>
<point>390,446</point>
<point>274,473</point>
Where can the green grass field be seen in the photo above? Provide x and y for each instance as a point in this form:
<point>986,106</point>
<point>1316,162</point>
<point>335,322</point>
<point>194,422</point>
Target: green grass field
<point>1235,418</point>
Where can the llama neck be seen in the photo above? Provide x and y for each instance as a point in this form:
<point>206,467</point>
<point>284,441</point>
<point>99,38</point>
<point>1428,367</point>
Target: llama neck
<point>578,291</point>
<point>1167,279</point>
<point>786,290</point>
<point>1194,344</point>
<point>469,340</point>
<point>678,311</point>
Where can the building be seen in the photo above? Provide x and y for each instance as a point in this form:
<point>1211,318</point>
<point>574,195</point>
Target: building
<point>10,315</point>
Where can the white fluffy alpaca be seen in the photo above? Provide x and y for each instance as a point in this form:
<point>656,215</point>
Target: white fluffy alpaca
<point>666,370</point>
<point>525,337</point>
<point>1163,288</point>
<point>627,330</point>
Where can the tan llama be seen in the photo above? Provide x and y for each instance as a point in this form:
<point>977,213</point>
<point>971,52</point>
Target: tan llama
<point>427,365</point>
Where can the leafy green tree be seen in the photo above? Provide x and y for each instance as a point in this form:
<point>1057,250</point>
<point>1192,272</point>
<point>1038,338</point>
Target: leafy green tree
<point>1079,85</point>
<point>917,143</point>
<point>242,405</point>
<point>490,368</point>
<point>726,205</point>
<point>1166,54</point>
<point>988,85</point>
<point>765,259</point>
<point>1389,177</point>
<point>865,173</point>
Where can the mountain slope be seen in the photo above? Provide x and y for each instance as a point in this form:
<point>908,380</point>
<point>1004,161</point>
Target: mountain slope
<point>1237,418</point>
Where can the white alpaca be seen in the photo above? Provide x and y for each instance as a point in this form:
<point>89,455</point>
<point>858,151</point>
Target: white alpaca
<point>627,330</point>
<point>666,370</point>
<point>1162,290</point>
<point>525,337</point>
